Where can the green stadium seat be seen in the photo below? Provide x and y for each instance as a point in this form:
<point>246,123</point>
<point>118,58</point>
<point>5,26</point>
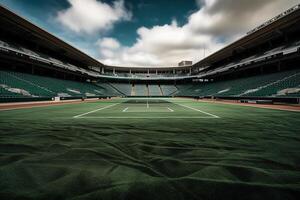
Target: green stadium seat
<point>281,84</point>
<point>16,84</point>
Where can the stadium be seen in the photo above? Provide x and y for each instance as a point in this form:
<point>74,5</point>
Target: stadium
<point>225,127</point>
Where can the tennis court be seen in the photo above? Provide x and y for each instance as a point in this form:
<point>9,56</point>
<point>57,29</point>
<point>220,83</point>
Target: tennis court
<point>147,108</point>
<point>149,149</point>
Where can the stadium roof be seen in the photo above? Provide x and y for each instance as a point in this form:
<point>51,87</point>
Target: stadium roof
<point>21,27</point>
<point>258,35</point>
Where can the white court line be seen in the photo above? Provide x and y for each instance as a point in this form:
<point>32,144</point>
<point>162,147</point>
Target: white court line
<point>77,116</point>
<point>148,117</point>
<point>125,109</point>
<point>215,116</point>
<point>147,104</point>
<point>170,110</point>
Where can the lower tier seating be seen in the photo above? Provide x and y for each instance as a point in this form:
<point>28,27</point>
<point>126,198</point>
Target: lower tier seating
<point>281,84</point>
<point>21,85</point>
<point>122,88</point>
<point>154,90</point>
<point>16,84</point>
<point>168,90</point>
<point>140,90</point>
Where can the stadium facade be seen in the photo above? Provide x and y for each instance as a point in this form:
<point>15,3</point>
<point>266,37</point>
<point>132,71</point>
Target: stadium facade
<point>262,65</point>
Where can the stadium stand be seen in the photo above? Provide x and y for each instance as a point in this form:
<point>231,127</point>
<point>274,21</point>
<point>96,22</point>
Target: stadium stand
<point>13,47</point>
<point>122,88</point>
<point>275,52</point>
<point>168,90</point>
<point>107,89</point>
<point>272,85</point>
<point>281,84</point>
<point>154,90</point>
<point>140,90</point>
<point>16,84</point>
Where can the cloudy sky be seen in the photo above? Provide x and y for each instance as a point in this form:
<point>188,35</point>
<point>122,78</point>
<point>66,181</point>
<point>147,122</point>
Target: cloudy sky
<point>148,32</point>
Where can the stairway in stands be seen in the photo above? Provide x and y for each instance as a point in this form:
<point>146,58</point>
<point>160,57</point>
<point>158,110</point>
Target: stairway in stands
<point>147,91</point>
<point>161,91</point>
<point>133,90</point>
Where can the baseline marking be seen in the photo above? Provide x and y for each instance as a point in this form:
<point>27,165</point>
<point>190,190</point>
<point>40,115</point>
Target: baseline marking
<point>125,109</point>
<point>148,117</point>
<point>77,116</point>
<point>215,116</point>
<point>170,110</point>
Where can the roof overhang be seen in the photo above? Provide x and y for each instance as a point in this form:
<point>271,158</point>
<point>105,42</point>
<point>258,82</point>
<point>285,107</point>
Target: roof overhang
<point>23,28</point>
<point>255,37</point>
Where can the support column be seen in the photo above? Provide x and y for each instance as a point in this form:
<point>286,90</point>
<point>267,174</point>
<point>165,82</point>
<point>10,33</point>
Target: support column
<point>261,70</point>
<point>279,67</point>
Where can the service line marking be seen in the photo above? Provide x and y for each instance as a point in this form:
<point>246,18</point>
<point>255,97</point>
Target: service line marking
<point>78,116</point>
<point>125,109</point>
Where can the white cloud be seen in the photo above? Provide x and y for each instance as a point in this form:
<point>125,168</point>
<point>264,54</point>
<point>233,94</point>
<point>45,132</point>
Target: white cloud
<point>109,43</point>
<point>90,16</point>
<point>214,25</point>
<point>108,47</point>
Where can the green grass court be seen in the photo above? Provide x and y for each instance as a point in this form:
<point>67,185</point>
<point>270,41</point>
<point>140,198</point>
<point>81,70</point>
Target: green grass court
<point>149,149</point>
<point>146,109</point>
